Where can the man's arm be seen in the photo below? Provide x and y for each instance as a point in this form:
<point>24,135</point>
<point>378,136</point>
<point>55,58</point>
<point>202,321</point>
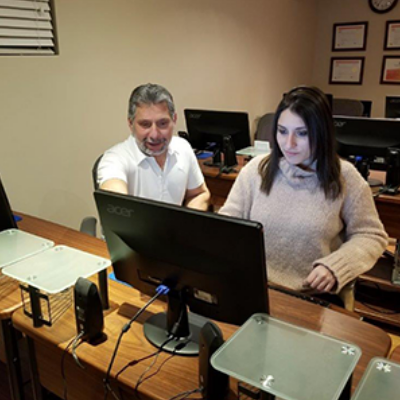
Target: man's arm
<point>115,185</point>
<point>198,198</point>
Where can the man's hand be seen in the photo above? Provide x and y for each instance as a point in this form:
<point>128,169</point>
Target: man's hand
<point>198,198</point>
<point>320,279</point>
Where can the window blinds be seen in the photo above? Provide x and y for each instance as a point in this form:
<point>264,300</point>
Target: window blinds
<point>27,27</point>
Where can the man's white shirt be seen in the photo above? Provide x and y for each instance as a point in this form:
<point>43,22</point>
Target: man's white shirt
<point>144,176</point>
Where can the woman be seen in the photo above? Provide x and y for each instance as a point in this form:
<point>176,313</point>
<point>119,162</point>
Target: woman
<point>321,227</point>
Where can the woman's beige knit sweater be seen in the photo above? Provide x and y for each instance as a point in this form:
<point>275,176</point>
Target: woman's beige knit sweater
<point>302,228</point>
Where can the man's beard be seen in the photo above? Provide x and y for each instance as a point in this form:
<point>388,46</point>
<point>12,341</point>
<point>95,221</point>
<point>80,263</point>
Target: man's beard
<point>151,153</point>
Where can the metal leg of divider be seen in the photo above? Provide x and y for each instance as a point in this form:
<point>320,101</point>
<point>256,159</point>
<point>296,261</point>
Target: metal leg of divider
<point>33,371</point>
<point>12,360</point>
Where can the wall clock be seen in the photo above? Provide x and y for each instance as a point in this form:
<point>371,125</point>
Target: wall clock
<point>382,6</point>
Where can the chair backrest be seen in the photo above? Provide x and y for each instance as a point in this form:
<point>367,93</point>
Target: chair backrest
<point>349,107</point>
<point>94,172</point>
<point>264,127</point>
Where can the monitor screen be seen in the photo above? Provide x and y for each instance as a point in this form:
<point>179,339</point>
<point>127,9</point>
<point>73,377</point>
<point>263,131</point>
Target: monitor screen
<point>367,108</point>
<point>212,263</point>
<point>208,128</point>
<point>6,216</point>
<point>367,137</point>
<point>392,107</point>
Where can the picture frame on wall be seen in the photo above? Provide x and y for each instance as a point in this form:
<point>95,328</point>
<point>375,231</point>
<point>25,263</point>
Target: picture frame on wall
<point>392,35</point>
<point>390,70</point>
<point>346,70</point>
<point>350,36</point>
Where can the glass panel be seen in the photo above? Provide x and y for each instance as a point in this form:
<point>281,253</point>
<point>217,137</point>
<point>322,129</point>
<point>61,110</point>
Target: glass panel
<point>16,245</point>
<point>381,380</point>
<point>287,361</point>
<point>56,269</point>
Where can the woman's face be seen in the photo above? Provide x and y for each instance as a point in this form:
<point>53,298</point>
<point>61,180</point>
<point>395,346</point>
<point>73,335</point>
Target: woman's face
<point>293,140</point>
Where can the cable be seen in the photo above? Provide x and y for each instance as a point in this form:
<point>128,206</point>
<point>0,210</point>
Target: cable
<point>186,394</point>
<point>75,344</point>
<point>65,393</point>
<point>141,377</point>
<point>382,190</point>
<point>161,289</point>
<point>134,362</point>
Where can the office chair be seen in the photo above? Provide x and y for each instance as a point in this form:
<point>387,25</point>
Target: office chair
<point>89,224</point>
<point>349,107</point>
<point>264,127</point>
<point>347,295</point>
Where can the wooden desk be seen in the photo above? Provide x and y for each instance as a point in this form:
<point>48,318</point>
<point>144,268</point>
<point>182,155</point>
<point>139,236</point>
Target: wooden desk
<point>10,301</point>
<point>180,373</point>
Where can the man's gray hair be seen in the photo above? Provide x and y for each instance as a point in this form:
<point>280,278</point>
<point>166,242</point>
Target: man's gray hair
<point>150,94</point>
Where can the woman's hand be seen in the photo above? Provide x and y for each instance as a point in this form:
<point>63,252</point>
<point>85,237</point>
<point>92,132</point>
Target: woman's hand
<point>320,279</point>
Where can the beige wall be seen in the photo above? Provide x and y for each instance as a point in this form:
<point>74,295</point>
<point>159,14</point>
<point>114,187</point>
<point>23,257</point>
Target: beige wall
<point>57,114</point>
<point>337,11</point>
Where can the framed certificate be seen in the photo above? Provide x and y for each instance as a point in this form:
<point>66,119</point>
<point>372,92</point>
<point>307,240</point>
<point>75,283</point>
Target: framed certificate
<point>346,70</point>
<point>350,36</point>
<point>391,70</point>
<point>392,36</point>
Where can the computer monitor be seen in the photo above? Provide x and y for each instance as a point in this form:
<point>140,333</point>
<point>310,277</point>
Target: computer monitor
<point>6,216</point>
<point>372,142</point>
<point>213,130</point>
<point>367,108</point>
<point>392,107</point>
<point>214,264</point>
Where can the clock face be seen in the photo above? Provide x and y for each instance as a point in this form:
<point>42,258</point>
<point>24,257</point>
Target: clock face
<point>382,6</point>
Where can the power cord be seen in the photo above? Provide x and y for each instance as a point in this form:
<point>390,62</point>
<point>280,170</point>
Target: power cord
<point>75,345</point>
<point>74,340</point>
<point>382,190</point>
<point>142,379</point>
<point>184,395</point>
<point>161,290</point>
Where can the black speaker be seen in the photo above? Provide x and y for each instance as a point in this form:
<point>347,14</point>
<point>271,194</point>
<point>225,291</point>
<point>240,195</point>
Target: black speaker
<point>215,384</point>
<point>88,310</point>
<point>228,149</point>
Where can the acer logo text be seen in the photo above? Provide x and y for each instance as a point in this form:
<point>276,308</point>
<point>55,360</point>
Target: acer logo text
<point>121,211</point>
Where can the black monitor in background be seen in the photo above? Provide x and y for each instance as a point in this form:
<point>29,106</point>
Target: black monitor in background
<point>330,99</point>
<point>218,131</point>
<point>367,108</point>
<point>392,107</point>
<point>368,141</point>
<point>6,216</point>
<point>213,264</point>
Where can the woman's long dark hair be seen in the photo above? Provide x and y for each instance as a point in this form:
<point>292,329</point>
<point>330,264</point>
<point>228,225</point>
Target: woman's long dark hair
<point>312,106</point>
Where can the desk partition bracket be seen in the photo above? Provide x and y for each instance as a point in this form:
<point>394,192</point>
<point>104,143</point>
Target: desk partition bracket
<point>103,287</point>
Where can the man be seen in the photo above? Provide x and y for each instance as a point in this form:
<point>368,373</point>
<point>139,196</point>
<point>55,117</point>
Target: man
<point>152,163</point>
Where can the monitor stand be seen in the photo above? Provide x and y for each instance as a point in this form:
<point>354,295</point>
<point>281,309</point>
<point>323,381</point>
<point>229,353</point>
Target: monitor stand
<point>216,161</point>
<point>185,327</point>
<point>228,149</point>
